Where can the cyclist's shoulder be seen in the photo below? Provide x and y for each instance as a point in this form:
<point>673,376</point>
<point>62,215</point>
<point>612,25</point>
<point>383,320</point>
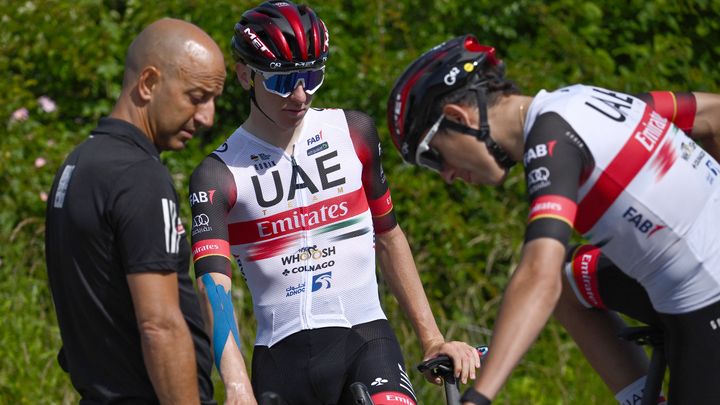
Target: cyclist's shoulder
<point>211,164</point>
<point>331,115</point>
<point>556,99</point>
<point>362,126</point>
<point>357,115</point>
<point>359,124</point>
<point>237,147</point>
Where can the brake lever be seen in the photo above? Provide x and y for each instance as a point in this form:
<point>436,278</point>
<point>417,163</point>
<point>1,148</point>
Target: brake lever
<point>441,366</point>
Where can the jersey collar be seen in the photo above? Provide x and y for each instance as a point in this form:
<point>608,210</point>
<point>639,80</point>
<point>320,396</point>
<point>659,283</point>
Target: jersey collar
<point>126,130</point>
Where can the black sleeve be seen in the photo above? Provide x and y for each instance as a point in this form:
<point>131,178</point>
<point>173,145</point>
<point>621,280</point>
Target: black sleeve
<point>212,194</point>
<point>145,217</point>
<point>367,147</point>
<point>556,159</point>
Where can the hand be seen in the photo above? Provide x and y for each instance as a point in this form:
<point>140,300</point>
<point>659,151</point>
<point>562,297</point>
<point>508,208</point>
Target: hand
<point>465,360</point>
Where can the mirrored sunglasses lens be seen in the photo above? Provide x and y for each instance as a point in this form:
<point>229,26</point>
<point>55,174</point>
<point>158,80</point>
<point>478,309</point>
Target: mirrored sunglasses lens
<point>313,80</point>
<point>280,84</point>
<point>285,84</point>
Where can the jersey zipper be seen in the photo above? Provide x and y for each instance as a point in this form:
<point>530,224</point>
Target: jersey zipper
<point>305,297</point>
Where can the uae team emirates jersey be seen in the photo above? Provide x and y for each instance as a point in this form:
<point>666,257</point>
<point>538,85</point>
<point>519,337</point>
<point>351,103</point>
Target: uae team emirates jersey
<point>300,225</point>
<point>624,176</point>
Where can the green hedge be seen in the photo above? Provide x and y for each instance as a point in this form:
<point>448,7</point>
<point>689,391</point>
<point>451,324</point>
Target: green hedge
<point>466,239</point>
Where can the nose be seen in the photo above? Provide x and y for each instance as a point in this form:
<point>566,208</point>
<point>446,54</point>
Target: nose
<point>298,95</point>
<point>448,173</point>
<point>205,113</point>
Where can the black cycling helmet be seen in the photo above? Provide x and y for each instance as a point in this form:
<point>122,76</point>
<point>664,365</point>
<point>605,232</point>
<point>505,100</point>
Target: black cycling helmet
<point>280,36</point>
<point>412,108</point>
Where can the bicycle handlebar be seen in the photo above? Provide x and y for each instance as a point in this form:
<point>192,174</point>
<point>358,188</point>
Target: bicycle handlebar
<point>442,366</point>
<point>271,398</point>
<point>643,335</point>
<point>360,394</point>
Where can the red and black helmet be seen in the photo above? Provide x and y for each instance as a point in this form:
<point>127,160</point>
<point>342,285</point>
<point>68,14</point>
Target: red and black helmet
<point>280,36</point>
<point>412,107</point>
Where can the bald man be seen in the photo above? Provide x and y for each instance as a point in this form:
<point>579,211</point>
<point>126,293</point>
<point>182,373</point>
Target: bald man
<point>116,250</point>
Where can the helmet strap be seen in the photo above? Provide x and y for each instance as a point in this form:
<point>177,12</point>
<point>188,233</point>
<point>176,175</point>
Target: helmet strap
<point>252,95</point>
<point>483,133</point>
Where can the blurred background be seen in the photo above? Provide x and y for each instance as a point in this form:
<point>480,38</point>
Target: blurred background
<point>62,62</point>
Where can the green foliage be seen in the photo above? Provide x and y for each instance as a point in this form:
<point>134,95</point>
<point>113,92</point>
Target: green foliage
<point>466,239</point>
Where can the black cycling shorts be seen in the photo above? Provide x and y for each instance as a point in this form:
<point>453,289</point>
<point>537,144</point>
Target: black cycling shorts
<point>317,366</point>
<point>692,340</point>
<point>692,349</point>
<point>599,283</point>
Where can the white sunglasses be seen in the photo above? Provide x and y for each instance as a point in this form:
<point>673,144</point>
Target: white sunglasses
<point>284,83</point>
<point>427,156</point>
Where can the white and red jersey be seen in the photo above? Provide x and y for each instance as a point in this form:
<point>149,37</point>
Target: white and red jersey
<point>301,226</point>
<point>624,176</point>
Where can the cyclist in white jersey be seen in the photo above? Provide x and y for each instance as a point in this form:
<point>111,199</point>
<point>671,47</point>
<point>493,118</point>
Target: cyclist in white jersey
<point>599,161</point>
<point>595,287</point>
<point>298,199</point>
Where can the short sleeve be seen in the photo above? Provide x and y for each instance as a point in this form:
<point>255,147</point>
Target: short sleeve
<point>146,220</point>
<point>212,195</point>
<point>368,149</point>
<point>555,160</point>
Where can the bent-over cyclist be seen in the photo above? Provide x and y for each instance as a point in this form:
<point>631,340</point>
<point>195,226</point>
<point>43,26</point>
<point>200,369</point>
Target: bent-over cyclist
<point>596,160</point>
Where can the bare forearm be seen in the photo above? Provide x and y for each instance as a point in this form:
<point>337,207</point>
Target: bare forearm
<point>527,304</point>
<point>167,346</point>
<point>706,128</point>
<point>521,318</point>
<point>235,378</point>
<point>398,269</point>
<point>224,335</point>
<point>170,360</point>
<point>417,309</point>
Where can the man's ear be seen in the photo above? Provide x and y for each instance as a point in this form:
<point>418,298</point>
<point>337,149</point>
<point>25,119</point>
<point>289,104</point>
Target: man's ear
<point>457,113</point>
<point>147,81</point>
<point>244,75</point>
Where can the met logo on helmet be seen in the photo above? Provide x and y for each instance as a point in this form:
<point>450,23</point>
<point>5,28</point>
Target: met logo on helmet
<point>310,63</point>
<point>326,43</point>
<point>397,111</point>
<point>252,37</point>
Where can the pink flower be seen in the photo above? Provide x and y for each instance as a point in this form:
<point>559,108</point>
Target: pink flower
<point>40,162</point>
<point>43,196</point>
<point>19,115</point>
<point>47,104</point>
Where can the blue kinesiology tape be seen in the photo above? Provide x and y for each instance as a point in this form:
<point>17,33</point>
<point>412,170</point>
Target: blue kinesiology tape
<point>223,316</point>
